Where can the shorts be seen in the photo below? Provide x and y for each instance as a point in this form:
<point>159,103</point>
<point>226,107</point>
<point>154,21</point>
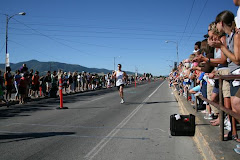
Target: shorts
<point>238,93</point>
<point>118,87</point>
<point>65,85</point>
<point>1,98</point>
<point>22,90</point>
<point>209,91</point>
<point>197,88</point>
<point>225,85</point>
<point>204,90</point>
<point>233,90</point>
<point>216,90</point>
<point>49,85</point>
<point>35,87</point>
<point>9,87</point>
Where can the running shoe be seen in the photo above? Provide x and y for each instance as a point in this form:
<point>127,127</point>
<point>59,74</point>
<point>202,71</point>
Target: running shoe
<point>122,101</point>
<point>204,111</point>
<point>209,116</point>
<point>237,150</point>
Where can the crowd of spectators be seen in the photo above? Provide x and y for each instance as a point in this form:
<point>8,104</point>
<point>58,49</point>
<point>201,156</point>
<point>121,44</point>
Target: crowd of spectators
<point>218,54</point>
<point>26,84</point>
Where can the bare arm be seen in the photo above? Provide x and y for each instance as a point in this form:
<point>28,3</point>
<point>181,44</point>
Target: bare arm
<point>235,58</point>
<point>125,76</point>
<point>114,75</point>
<point>237,47</point>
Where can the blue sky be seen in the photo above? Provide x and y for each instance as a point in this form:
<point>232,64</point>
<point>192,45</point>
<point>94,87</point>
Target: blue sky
<point>92,32</point>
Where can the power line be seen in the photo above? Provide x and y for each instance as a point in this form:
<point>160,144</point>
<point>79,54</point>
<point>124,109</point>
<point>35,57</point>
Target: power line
<point>57,41</point>
<point>105,37</point>
<point>54,30</point>
<point>187,22</point>
<point>48,55</point>
<point>2,47</point>
<point>94,27</point>
<point>197,21</point>
<point>97,45</point>
<point>92,19</point>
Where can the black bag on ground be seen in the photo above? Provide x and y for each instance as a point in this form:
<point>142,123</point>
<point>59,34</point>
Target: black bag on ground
<point>185,126</point>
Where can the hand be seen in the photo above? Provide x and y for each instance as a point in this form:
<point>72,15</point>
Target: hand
<point>211,75</point>
<point>215,44</point>
<point>237,30</point>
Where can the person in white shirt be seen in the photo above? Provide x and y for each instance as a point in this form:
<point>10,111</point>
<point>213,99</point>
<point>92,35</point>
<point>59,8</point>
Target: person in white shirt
<point>121,77</point>
<point>237,18</point>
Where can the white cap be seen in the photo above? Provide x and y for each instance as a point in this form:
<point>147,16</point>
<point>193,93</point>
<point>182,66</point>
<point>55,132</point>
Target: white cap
<point>195,51</point>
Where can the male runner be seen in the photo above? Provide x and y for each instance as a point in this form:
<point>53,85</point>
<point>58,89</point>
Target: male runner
<point>121,77</point>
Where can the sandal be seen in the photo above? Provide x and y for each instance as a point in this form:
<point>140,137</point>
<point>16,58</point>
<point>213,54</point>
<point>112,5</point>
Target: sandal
<point>235,137</point>
<point>228,136</point>
<point>214,123</point>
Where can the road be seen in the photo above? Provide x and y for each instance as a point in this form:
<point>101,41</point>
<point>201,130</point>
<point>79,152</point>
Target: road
<point>96,127</point>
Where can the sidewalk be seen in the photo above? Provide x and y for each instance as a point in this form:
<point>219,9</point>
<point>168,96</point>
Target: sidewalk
<point>207,137</point>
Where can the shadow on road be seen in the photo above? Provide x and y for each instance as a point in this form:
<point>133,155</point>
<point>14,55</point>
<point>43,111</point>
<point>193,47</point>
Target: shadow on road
<point>130,103</point>
<point>14,137</point>
<point>51,103</point>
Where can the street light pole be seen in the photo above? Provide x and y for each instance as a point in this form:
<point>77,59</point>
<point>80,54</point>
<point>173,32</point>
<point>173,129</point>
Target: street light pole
<point>114,61</point>
<point>7,21</point>
<point>176,48</point>
<point>177,54</point>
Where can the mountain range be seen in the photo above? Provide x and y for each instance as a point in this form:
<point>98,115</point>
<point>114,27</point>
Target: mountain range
<point>43,67</point>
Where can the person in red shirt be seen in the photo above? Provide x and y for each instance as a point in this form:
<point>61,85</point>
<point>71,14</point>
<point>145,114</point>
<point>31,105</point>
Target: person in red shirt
<point>23,88</point>
<point>35,84</point>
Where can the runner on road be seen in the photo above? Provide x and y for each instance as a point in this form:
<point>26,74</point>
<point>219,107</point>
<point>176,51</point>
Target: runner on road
<point>121,77</point>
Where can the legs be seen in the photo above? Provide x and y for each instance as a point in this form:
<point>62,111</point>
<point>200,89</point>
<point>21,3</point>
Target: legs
<point>121,92</point>
<point>236,108</point>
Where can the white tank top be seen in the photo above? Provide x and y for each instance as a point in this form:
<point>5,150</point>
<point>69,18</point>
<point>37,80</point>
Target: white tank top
<point>119,77</point>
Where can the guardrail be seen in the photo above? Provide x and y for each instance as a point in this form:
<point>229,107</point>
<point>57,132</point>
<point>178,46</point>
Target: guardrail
<point>220,106</point>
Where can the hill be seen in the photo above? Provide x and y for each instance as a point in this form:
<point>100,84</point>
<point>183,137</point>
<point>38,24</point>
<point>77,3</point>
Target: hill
<point>43,67</point>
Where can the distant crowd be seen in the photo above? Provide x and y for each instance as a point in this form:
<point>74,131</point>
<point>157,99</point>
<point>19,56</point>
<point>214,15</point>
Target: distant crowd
<point>218,54</point>
<point>27,84</point>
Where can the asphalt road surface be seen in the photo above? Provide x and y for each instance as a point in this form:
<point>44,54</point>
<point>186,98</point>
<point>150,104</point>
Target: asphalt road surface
<point>96,126</point>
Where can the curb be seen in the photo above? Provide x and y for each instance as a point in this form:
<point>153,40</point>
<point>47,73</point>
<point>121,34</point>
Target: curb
<point>199,139</point>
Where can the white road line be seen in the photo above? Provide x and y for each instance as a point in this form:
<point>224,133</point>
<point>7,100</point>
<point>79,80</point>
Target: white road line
<point>97,99</point>
<point>103,142</point>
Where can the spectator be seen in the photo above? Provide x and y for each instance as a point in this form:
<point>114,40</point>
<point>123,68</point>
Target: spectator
<point>17,78</point>
<point>43,85</point>
<point>23,88</point>
<point>75,75</point>
<point>79,82</point>
<point>70,82</point>
<point>30,88</point>
<point>8,83</point>
<point>54,89</point>
<point>83,81</point>
<point>48,81</point>
<point>65,82</point>
<point>225,24</point>
<point>1,80</point>
<point>35,84</point>
<point>23,69</point>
